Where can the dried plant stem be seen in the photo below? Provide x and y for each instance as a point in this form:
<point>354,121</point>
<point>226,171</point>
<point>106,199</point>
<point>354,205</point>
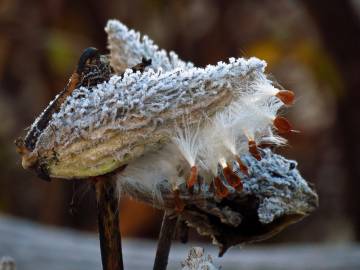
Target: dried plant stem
<point>108,222</point>
<point>167,232</point>
<point>182,231</point>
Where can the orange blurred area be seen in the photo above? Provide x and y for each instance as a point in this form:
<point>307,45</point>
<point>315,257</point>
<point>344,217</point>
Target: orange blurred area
<point>40,42</point>
<point>139,220</point>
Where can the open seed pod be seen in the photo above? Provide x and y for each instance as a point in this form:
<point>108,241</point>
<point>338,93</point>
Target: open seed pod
<point>274,195</point>
<point>187,138</point>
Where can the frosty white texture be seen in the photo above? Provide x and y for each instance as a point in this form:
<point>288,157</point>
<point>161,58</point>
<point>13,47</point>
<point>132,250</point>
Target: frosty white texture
<point>198,260</point>
<point>203,115</point>
<point>278,185</point>
<point>149,100</point>
<point>127,47</point>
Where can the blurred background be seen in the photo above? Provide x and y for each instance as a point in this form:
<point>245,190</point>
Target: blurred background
<point>312,48</point>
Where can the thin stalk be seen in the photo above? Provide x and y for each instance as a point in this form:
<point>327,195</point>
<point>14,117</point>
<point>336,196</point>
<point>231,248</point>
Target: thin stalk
<point>108,223</point>
<point>167,232</point>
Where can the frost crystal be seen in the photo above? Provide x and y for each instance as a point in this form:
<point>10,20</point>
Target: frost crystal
<point>149,100</point>
<point>278,185</point>
<point>127,47</point>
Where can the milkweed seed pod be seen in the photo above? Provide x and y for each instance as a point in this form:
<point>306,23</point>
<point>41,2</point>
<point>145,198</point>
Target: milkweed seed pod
<point>187,139</point>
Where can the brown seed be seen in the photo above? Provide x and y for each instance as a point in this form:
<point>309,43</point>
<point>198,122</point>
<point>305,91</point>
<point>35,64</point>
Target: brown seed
<point>242,166</point>
<point>286,96</point>
<point>282,124</point>
<point>221,190</point>
<point>254,151</point>
<point>232,178</point>
<point>192,177</point>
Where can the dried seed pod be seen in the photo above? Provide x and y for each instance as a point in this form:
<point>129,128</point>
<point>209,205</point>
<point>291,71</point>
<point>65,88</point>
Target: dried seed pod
<point>127,48</point>
<point>274,195</point>
<point>100,128</point>
<point>116,117</point>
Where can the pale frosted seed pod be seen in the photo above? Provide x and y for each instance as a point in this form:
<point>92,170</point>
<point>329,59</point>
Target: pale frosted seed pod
<point>92,135</point>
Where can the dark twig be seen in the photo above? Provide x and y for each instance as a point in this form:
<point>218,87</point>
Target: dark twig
<point>167,232</point>
<point>108,222</point>
<point>182,231</point>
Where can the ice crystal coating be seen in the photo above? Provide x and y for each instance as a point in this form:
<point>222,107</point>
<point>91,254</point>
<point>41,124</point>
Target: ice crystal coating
<point>197,260</point>
<point>278,185</point>
<point>143,107</point>
<point>137,99</point>
<point>127,48</point>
